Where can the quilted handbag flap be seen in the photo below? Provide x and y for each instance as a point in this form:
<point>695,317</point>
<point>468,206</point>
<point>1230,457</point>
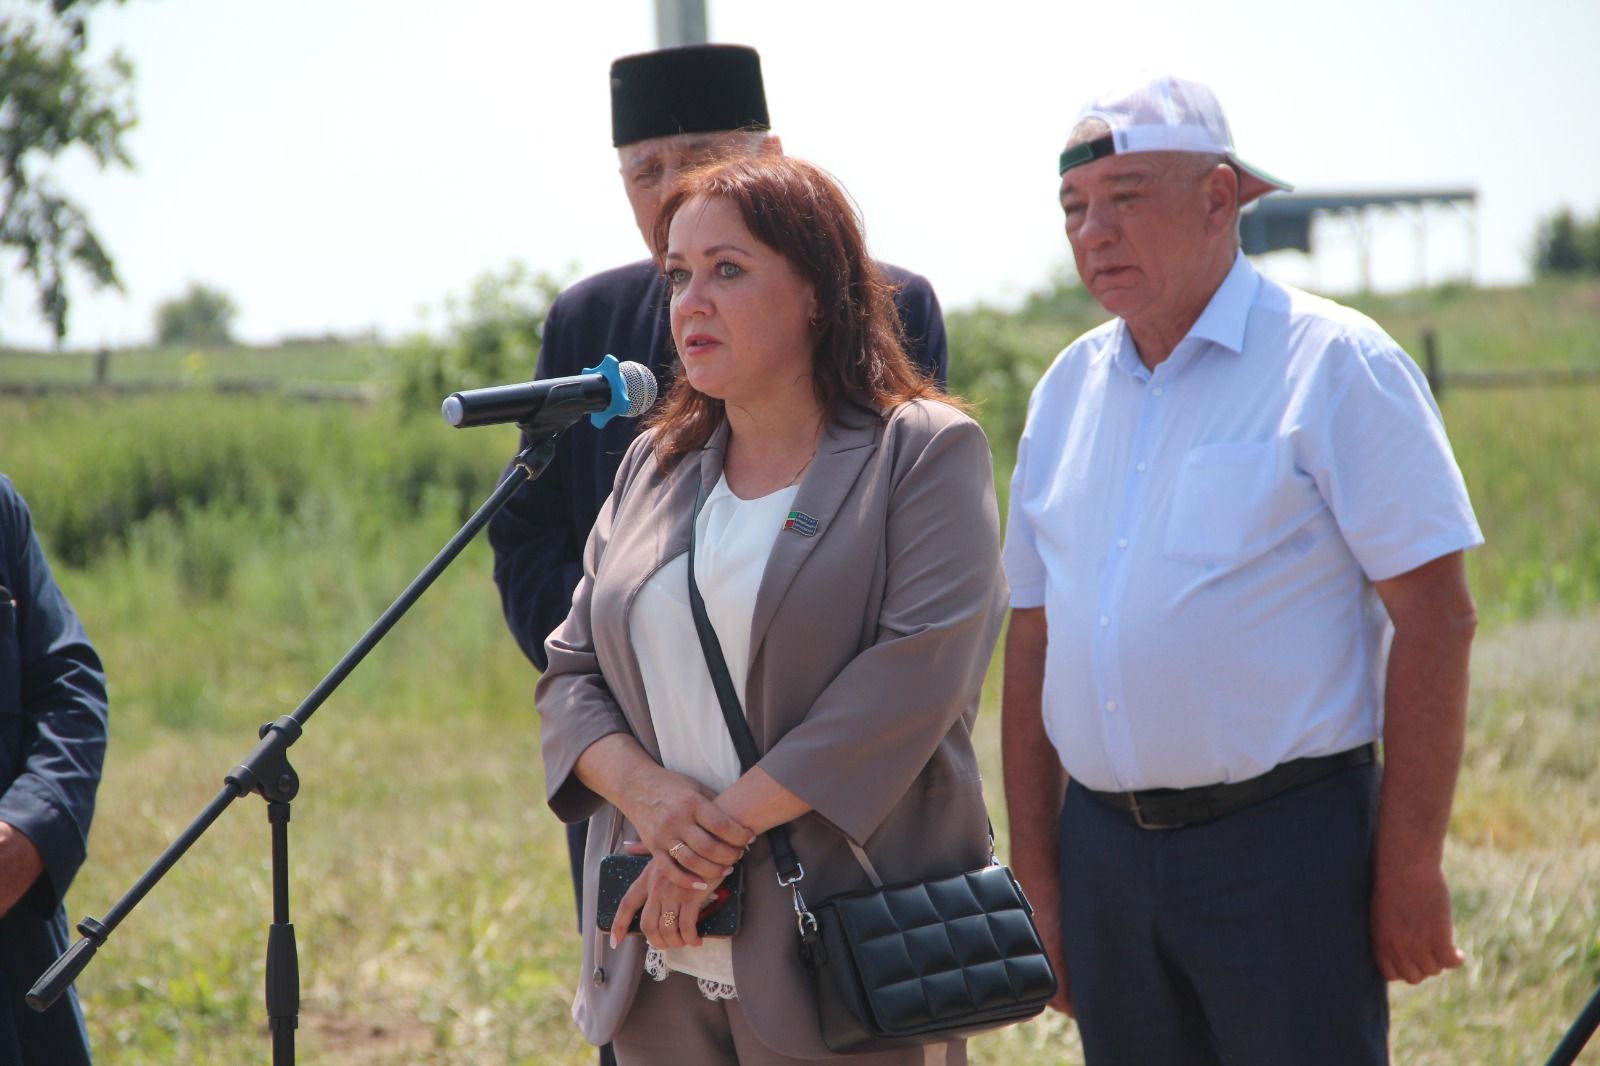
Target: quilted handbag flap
<point>958,948</point>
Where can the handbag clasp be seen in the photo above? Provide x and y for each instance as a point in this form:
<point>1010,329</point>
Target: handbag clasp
<point>803,918</point>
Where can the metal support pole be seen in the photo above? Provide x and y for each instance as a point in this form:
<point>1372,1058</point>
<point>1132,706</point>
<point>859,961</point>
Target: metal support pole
<point>680,22</point>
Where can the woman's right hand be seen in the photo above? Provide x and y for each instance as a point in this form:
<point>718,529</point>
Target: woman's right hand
<point>678,819</point>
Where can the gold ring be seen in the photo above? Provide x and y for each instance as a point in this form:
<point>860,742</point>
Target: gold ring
<point>673,851</point>
<point>669,919</point>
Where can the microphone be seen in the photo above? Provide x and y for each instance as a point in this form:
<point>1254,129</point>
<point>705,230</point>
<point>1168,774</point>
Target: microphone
<point>550,405</point>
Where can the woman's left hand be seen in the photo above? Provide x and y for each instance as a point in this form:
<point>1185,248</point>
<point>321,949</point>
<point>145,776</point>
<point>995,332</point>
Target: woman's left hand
<point>668,912</point>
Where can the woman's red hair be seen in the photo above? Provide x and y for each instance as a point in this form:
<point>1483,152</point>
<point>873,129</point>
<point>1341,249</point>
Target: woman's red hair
<point>858,343</point>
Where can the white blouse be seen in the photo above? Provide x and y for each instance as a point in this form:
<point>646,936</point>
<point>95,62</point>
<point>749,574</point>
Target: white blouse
<point>733,539</point>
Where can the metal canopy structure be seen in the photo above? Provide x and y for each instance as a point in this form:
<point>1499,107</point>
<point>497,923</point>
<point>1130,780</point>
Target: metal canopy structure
<point>1284,221</point>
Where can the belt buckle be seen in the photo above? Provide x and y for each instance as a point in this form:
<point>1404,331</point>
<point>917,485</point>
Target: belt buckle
<point>1138,814</point>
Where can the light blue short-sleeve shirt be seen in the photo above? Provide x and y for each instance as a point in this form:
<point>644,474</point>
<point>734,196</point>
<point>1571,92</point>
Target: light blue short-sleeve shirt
<point>1204,537</point>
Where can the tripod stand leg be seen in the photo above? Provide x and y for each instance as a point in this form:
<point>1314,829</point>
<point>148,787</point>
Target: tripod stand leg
<point>283,959</point>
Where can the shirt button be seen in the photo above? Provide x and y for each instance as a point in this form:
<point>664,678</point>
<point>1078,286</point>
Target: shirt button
<point>1156,391</point>
<point>1104,620</point>
<point>1111,705</point>
<point>1123,543</point>
<point>1141,468</point>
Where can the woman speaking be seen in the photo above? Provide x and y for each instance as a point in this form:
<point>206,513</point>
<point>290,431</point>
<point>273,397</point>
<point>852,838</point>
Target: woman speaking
<point>846,548</point>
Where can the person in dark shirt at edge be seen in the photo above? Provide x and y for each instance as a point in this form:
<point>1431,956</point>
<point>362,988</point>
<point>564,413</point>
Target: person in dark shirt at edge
<point>671,110</point>
<point>52,745</point>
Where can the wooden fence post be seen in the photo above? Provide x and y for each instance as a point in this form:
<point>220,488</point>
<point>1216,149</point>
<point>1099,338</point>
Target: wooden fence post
<point>1430,362</point>
<point>102,367</point>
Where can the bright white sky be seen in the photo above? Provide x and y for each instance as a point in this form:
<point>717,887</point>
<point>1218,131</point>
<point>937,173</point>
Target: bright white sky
<point>345,165</point>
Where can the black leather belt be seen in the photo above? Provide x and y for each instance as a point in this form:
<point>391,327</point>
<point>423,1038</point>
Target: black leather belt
<point>1174,808</point>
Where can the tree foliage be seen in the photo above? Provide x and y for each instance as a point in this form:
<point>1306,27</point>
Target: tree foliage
<point>1566,244</point>
<point>495,334</point>
<point>201,316</point>
<point>52,100</point>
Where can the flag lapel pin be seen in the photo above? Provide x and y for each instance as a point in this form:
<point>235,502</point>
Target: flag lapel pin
<point>801,523</point>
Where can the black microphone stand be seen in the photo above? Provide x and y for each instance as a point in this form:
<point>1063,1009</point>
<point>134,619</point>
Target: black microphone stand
<point>1583,1028</point>
<point>266,772</point>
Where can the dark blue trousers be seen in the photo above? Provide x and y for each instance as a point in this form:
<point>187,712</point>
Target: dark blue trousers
<point>1240,941</point>
<point>28,945</point>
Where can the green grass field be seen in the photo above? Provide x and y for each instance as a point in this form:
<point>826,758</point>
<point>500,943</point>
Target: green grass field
<point>300,364</point>
<point>225,551</point>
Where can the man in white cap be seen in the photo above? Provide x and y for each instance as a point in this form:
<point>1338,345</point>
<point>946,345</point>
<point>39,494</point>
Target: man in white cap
<point>1235,556</point>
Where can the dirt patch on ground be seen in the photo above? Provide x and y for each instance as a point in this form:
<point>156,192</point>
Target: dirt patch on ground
<point>367,1041</point>
<point>1588,297</point>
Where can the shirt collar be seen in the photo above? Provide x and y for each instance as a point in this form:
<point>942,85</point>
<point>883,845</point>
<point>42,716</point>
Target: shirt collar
<point>1124,354</point>
<point>1222,322</point>
<point>1225,317</point>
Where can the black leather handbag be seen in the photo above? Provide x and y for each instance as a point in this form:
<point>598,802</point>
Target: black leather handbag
<point>925,962</point>
<point>902,965</point>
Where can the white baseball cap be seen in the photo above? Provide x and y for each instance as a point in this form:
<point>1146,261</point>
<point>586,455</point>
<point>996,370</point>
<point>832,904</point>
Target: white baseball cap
<point>1166,114</point>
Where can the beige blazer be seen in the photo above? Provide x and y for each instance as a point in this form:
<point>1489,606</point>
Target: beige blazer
<point>869,645</point>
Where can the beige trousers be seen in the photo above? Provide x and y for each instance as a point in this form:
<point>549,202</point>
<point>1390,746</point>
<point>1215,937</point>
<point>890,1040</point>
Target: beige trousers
<point>672,1024</point>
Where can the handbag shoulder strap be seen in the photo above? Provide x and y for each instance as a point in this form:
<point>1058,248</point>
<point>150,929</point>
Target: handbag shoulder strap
<point>789,869</point>
<point>744,743</point>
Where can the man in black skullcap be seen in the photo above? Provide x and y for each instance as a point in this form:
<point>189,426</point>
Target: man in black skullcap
<point>671,110</point>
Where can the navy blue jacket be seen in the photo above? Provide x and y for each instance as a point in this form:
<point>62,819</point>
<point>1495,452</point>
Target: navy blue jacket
<point>538,537</point>
<point>52,743</point>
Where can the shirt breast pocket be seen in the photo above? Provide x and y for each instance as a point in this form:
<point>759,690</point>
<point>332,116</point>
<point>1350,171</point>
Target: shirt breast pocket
<point>1222,503</point>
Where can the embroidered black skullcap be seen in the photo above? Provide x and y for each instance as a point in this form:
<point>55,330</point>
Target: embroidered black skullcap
<point>701,88</point>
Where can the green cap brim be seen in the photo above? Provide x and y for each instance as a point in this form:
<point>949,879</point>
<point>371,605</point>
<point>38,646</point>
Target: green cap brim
<point>1087,152</point>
